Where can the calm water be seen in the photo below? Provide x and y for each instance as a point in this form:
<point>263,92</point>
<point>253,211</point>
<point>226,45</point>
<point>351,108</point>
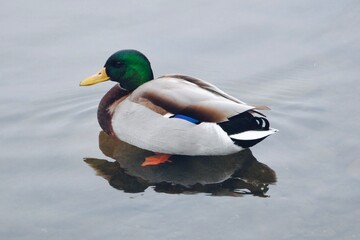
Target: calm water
<point>59,179</point>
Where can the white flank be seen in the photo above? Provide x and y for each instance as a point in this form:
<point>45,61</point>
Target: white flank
<point>140,126</point>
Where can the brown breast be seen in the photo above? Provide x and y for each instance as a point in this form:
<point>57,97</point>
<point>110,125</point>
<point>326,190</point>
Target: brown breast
<point>113,97</point>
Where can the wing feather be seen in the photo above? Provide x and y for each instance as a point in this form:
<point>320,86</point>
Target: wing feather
<point>205,85</point>
<point>195,98</point>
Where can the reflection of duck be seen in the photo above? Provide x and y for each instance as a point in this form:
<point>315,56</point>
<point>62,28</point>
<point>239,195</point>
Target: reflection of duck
<point>173,114</point>
<point>217,175</point>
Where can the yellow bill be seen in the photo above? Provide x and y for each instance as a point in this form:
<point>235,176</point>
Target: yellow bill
<point>96,78</point>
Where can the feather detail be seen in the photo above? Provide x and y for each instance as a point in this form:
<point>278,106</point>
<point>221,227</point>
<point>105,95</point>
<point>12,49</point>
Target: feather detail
<point>180,96</point>
<point>205,85</point>
<point>107,107</point>
<point>261,107</point>
<point>253,134</point>
<point>169,135</point>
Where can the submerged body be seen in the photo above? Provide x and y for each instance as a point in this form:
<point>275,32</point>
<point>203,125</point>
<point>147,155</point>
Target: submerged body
<point>174,114</point>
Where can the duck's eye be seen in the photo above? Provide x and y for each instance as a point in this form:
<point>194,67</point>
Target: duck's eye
<point>118,64</point>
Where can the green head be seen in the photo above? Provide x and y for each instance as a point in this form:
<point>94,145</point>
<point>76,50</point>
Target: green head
<point>130,68</point>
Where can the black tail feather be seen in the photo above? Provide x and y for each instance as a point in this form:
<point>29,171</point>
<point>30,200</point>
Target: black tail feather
<point>243,122</point>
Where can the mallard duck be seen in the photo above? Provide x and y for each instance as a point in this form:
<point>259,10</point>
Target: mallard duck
<point>173,114</point>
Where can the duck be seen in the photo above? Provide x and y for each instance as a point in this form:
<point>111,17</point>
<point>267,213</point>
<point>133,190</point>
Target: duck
<point>173,114</point>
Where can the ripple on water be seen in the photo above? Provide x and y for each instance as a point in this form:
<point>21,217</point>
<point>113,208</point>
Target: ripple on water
<point>51,115</point>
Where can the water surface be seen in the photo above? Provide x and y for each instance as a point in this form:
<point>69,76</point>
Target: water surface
<point>300,58</point>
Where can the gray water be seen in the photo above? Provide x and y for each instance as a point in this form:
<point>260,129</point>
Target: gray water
<point>300,58</point>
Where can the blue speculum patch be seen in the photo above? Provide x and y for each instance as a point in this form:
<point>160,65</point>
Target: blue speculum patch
<point>186,118</point>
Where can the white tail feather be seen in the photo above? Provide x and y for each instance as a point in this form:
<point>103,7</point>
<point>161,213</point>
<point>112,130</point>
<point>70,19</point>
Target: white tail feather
<point>253,134</point>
